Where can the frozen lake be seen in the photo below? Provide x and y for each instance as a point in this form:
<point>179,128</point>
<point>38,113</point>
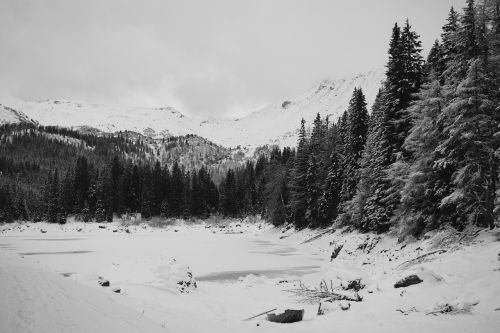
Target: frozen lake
<point>212,257</point>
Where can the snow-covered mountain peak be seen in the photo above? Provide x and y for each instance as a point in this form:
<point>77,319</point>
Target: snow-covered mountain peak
<point>274,124</point>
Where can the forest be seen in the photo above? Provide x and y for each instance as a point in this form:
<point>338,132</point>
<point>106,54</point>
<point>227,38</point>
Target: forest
<point>427,154</point>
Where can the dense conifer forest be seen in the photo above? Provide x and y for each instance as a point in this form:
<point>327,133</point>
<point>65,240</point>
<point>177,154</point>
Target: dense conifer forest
<point>427,154</point>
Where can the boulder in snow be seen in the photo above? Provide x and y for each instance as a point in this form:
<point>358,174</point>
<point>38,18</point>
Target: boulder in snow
<point>408,281</point>
<point>336,251</point>
<point>175,276</point>
<point>103,282</point>
<point>344,305</point>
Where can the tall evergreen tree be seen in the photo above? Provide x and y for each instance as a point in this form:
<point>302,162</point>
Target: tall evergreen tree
<point>469,125</point>
<point>369,209</point>
<point>357,129</point>
<point>298,202</point>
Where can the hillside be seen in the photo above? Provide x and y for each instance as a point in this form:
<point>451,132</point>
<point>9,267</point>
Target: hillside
<point>274,124</point>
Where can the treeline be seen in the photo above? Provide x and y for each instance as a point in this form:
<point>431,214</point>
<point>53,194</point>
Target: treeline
<point>427,156</point>
<point>118,189</point>
<point>92,194</point>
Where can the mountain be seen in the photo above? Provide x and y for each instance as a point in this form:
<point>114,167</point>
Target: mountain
<point>274,124</point>
<point>9,115</point>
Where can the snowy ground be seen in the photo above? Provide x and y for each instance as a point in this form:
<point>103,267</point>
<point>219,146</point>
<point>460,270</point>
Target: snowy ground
<point>49,279</point>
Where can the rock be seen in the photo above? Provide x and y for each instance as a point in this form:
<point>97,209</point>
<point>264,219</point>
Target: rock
<point>176,275</point>
<point>117,290</point>
<point>175,230</point>
<point>103,282</point>
<point>43,231</point>
<point>102,227</point>
<point>127,231</point>
<point>408,281</point>
<point>79,229</point>
<point>344,305</point>
<point>336,251</point>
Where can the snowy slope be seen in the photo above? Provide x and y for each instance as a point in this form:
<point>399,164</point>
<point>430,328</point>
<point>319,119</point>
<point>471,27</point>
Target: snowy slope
<point>276,123</point>
<point>9,115</point>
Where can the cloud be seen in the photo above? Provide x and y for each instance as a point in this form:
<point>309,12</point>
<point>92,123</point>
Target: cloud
<point>221,57</point>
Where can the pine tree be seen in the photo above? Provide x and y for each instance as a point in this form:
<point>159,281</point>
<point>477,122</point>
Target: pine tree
<point>315,171</point>
<point>53,198</point>
<point>369,209</point>
<point>134,195</point>
<point>331,199</point>
<point>465,44</point>
<point>67,196</point>
<point>404,77</point>
<point>426,181</point>
<point>469,126</point>
<point>449,36</point>
<point>357,128</point>
<point>298,202</point>
<point>229,203</point>
<point>116,180</point>
<point>276,192</point>
<point>176,191</point>
<point>81,183</point>
<point>435,61</point>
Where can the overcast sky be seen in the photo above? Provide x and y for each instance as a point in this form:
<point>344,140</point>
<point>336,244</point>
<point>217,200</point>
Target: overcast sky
<point>220,58</point>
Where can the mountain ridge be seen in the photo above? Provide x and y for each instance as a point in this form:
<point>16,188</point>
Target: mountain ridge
<point>275,124</point>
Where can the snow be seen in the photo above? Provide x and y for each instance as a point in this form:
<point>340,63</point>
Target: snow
<point>36,300</point>
<point>274,124</point>
<point>49,281</point>
<point>9,115</point>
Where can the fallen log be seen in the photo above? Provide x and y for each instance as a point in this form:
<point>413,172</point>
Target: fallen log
<point>331,230</point>
<point>420,257</point>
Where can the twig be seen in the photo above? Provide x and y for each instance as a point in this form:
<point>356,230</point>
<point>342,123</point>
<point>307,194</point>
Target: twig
<point>260,314</point>
<point>406,312</point>
<point>324,294</point>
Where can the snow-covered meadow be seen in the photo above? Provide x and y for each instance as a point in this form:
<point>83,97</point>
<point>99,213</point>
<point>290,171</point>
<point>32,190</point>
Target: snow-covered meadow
<point>193,277</point>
